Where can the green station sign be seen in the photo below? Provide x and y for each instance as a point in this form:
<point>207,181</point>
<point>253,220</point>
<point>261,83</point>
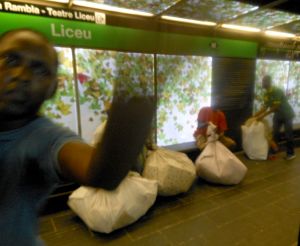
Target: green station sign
<point>84,29</point>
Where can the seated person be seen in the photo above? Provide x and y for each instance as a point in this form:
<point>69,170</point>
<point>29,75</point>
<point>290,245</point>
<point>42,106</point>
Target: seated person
<point>217,117</point>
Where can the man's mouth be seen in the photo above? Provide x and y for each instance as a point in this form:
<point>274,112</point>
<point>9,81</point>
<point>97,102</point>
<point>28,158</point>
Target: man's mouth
<point>16,95</point>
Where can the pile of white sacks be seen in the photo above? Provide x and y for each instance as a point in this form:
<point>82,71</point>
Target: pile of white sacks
<point>166,173</point>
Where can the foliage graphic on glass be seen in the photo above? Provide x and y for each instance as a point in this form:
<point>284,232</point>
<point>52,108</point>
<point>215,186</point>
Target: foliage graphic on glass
<point>184,86</point>
<point>62,107</point>
<point>98,72</point>
<point>286,75</point>
<point>266,19</point>
<point>210,10</point>
<point>151,6</point>
<point>293,89</point>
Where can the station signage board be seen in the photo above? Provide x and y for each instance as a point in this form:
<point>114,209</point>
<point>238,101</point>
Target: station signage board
<point>72,28</point>
<point>53,12</point>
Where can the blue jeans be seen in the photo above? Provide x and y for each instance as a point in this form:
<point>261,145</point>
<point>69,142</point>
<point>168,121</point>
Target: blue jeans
<point>288,129</point>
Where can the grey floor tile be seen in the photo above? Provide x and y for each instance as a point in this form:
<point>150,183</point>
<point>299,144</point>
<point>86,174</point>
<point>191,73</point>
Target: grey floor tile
<point>274,235</point>
<point>189,229</point>
<point>195,208</point>
<point>195,241</point>
<point>67,222</point>
<point>228,196</point>
<point>291,203</point>
<point>228,213</point>
<point>257,186</point>
<point>259,199</point>
<point>165,204</point>
<point>156,239</point>
<point>230,234</point>
<point>285,189</point>
<point>282,176</point>
<point>46,226</point>
<point>70,237</point>
<point>151,224</point>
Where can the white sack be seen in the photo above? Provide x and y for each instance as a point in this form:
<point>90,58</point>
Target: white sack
<point>254,141</point>
<point>98,134</point>
<point>217,164</point>
<point>174,171</point>
<point>106,211</point>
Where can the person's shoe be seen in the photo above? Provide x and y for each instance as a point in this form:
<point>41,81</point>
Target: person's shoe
<point>290,157</point>
<point>272,157</point>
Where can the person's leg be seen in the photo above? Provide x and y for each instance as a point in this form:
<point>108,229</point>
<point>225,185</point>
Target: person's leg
<point>273,145</point>
<point>276,130</point>
<point>288,128</point>
<point>228,142</point>
<point>299,236</point>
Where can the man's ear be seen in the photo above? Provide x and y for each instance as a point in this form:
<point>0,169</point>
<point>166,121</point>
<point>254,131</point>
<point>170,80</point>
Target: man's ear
<point>52,89</point>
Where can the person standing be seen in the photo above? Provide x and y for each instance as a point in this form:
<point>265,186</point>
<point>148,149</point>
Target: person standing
<point>275,101</point>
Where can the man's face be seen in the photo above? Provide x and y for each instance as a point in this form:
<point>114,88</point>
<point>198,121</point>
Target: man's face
<point>27,73</point>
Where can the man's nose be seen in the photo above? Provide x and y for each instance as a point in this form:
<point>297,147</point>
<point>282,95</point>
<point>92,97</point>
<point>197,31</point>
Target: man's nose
<point>22,74</point>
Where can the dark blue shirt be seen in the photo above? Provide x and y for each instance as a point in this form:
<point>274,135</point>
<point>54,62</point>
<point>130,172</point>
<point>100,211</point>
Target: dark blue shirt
<point>29,172</point>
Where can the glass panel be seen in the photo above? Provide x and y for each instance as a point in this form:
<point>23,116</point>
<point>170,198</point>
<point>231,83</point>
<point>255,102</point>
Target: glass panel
<point>210,10</point>
<point>266,18</point>
<point>292,27</point>
<point>98,71</point>
<point>184,86</point>
<point>293,89</point>
<point>151,6</point>
<point>62,107</point>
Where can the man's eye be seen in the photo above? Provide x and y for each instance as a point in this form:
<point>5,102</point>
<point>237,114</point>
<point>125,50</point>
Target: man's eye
<point>11,59</point>
<point>40,69</point>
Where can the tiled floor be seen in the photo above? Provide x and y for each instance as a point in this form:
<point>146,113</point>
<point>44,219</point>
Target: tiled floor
<point>263,210</point>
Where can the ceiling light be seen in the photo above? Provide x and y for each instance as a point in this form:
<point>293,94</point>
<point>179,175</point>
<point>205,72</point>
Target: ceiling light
<point>59,1</point>
<point>241,28</point>
<point>280,34</point>
<point>249,10</point>
<point>254,8</point>
<point>110,8</point>
<point>172,18</point>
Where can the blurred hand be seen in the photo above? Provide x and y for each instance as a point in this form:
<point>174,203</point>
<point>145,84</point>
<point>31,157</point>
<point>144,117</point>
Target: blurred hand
<point>127,128</point>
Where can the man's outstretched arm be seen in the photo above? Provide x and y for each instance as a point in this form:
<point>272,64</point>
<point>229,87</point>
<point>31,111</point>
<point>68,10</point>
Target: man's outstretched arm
<point>106,165</point>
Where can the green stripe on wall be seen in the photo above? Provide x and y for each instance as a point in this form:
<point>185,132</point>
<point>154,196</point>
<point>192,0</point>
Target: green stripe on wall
<point>89,35</point>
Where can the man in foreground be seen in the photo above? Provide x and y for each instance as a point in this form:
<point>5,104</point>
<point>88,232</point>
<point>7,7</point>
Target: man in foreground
<point>36,154</point>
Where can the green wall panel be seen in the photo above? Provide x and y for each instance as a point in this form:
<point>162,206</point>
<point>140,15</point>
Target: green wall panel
<point>89,35</point>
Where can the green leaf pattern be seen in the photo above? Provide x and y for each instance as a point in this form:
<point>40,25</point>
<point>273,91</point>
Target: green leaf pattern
<point>99,72</point>
<point>151,6</point>
<point>62,107</point>
<point>210,10</point>
<point>183,87</point>
<point>293,89</point>
<point>266,19</point>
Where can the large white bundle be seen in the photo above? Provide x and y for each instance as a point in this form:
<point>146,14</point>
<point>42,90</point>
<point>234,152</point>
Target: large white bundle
<point>174,171</point>
<point>255,143</point>
<point>219,165</point>
<point>106,211</point>
<point>98,134</point>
